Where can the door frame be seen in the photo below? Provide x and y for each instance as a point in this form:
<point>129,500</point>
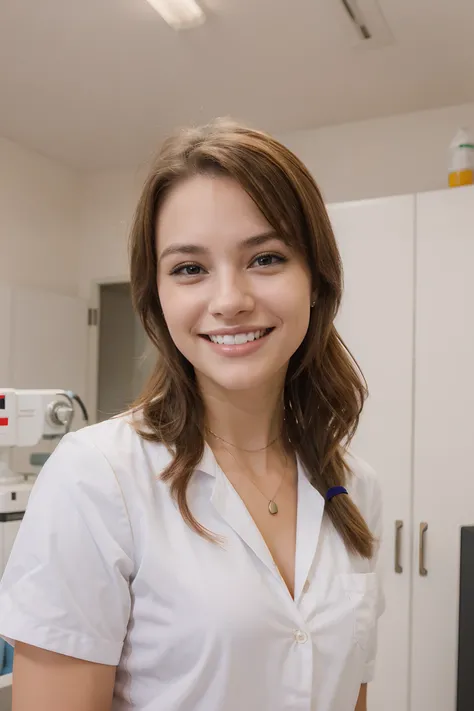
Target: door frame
<point>92,377</point>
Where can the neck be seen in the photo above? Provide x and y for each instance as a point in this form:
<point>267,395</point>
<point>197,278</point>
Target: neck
<point>247,421</point>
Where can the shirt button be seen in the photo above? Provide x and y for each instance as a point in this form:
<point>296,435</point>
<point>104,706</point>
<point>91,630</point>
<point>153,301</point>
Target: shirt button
<point>300,636</point>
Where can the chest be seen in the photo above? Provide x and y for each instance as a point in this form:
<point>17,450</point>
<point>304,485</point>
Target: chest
<point>259,566</point>
<point>217,613</point>
<point>193,597</point>
<point>278,530</point>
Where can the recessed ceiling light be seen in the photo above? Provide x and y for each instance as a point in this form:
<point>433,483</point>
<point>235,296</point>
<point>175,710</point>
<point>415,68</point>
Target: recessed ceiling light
<point>179,14</point>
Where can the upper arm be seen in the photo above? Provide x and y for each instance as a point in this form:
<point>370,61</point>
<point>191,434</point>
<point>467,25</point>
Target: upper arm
<point>66,587</point>
<point>361,704</point>
<point>46,681</point>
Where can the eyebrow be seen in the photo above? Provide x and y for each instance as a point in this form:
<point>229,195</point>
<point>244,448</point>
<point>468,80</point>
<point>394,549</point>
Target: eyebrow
<point>197,250</point>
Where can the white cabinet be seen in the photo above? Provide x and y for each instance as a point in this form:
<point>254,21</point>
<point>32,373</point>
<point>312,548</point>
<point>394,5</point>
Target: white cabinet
<point>443,436</point>
<point>408,318</point>
<point>376,240</point>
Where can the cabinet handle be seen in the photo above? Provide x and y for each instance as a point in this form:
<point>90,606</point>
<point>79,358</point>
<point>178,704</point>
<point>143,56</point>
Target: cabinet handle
<point>423,529</point>
<point>398,546</point>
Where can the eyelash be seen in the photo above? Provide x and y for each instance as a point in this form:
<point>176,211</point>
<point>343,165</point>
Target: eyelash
<point>179,270</point>
<point>280,259</point>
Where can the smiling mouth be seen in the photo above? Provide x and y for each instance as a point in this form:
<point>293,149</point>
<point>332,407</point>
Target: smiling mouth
<point>238,339</point>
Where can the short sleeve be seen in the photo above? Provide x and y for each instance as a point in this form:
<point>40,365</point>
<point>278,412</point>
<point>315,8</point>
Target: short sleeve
<point>66,585</point>
<point>375,524</point>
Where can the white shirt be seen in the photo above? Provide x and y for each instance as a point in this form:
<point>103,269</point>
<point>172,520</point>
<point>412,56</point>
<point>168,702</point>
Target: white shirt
<point>105,569</point>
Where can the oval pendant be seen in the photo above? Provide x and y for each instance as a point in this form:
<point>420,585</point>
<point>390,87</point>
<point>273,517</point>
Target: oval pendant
<point>272,508</point>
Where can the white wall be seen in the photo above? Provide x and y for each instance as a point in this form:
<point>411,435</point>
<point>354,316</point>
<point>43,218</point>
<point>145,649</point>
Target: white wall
<point>395,155</point>
<point>39,208</point>
<point>44,243</point>
<point>109,200</point>
<point>390,156</point>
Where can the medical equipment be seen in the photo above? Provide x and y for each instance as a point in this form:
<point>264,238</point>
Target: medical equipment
<point>26,418</point>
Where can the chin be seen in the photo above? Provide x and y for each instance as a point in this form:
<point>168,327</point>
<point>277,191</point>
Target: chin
<point>243,378</point>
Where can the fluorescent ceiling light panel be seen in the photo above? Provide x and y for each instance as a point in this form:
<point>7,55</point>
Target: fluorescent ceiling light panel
<point>179,14</point>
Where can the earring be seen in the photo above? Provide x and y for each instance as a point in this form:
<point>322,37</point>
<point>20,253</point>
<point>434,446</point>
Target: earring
<point>313,303</point>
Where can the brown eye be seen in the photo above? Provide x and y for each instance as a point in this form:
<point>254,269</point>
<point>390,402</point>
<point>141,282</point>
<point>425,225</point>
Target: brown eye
<point>192,270</point>
<point>187,270</point>
<point>268,260</point>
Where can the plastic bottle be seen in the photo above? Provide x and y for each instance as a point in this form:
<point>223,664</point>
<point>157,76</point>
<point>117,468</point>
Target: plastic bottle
<point>461,170</point>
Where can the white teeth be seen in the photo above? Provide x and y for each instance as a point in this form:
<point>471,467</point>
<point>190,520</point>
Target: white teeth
<point>238,339</point>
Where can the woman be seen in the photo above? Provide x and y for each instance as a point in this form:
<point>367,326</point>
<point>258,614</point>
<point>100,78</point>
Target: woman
<point>213,549</point>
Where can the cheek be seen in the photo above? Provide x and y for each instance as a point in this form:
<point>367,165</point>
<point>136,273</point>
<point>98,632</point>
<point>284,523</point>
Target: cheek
<point>179,310</point>
<point>296,311</point>
<point>168,305</point>
<point>294,298</point>
<point>297,318</point>
<point>170,308</point>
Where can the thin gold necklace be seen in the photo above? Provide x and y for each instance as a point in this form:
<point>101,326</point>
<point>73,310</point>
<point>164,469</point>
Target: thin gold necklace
<point>272,504</point>
<point>249,451</point>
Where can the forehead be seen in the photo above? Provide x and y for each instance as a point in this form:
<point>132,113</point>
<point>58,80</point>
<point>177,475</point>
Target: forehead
<point>206,208</point>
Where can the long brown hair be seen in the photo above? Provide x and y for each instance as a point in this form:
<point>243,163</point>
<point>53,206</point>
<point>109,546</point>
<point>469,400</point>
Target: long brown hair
<point>324,389</point>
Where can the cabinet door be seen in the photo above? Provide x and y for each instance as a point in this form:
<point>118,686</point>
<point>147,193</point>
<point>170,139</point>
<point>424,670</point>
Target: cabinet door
<point>376,239</point>
<point>444,435</point>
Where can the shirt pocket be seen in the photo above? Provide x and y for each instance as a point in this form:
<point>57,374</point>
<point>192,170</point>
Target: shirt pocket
<point>361,590</point>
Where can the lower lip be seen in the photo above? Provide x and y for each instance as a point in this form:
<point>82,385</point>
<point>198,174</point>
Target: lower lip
<point>238,350</point>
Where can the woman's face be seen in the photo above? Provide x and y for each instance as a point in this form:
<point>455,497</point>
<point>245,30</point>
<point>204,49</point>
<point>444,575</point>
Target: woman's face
<point>235,297</point>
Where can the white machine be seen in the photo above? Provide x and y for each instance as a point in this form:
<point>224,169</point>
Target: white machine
<point>26,418</point>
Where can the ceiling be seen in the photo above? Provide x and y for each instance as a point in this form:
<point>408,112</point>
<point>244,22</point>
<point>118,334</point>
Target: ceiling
<point>98,83</point>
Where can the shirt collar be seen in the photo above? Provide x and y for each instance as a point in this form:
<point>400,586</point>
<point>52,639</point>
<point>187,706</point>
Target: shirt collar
<point>208,463</point>
<point>232,509</point>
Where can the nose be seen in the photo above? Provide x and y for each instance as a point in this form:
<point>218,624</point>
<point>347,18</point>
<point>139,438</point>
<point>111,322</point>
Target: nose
<point>231,295</point>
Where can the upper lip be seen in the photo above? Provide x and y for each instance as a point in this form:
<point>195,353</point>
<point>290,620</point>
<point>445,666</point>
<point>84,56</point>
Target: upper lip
<point>233,330</point>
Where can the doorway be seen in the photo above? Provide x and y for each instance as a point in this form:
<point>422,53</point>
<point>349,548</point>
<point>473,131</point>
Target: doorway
<point>125,354</point>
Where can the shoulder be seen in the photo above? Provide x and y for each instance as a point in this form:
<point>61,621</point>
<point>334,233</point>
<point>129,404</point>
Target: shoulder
<point>118,442</point>
<point>106,436</point>
<point>364,487</point>
<point>107,456</point>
